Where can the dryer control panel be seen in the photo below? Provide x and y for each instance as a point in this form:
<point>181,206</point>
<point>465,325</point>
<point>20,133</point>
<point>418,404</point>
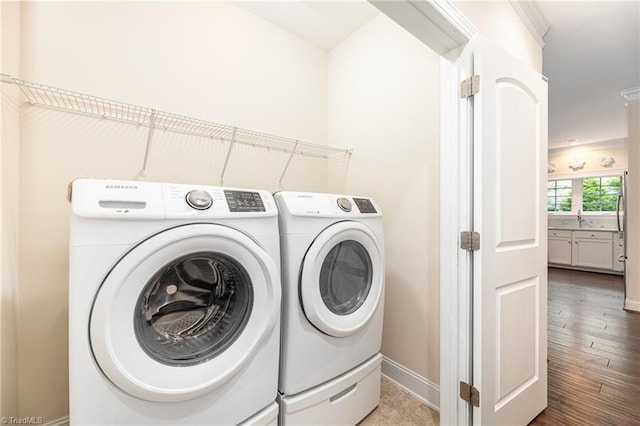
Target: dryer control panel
<point>327,205</point>
<point>365,205</point>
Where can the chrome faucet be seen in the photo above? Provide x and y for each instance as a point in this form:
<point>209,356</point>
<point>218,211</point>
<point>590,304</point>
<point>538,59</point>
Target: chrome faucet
<point>580,218</point>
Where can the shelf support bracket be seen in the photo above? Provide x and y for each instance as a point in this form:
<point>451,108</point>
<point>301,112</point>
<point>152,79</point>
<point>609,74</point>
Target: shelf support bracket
<point>226,160</point>
<point>152,119</point>
<point>286,166</point>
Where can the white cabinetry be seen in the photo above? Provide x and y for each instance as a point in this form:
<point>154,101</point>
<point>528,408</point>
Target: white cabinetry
<point>592,249</point>
<point>560,247</point>
<point>585,249</point>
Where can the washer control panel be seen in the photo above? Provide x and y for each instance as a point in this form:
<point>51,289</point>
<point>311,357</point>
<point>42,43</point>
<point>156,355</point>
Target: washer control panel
<point>244,201</point>
<point>102,198</point>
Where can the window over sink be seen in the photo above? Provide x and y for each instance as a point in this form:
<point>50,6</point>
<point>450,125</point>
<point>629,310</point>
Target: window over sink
<point>559,195</point>
<point>600,194</point>
<point>589,194</point>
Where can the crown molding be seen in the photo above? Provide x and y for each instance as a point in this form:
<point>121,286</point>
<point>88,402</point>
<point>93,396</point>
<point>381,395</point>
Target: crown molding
<point>631,96</point>
<point>590,146</point>
<point>532,17</point>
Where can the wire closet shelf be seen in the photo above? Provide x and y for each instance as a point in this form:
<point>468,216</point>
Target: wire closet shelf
<point>80,103</point>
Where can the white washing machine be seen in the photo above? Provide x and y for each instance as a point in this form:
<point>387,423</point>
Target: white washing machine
<point>333,296</point>
<point>174,305</point>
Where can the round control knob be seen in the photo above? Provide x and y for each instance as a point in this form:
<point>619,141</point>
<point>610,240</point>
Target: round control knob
<point>199,200</point>
<point>344,204</point>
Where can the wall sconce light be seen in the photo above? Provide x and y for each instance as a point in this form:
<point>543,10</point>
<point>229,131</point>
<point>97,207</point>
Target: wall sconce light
<point>551,167</point>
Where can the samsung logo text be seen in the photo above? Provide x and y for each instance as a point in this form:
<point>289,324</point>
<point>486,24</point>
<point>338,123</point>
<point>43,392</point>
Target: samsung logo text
<point>121,187</point>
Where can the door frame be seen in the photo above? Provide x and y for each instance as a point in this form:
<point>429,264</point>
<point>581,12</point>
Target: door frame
<point>444,29</point>
<point>456,265</point>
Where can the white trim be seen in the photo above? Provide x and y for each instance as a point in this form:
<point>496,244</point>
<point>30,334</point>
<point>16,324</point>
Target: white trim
<point>632,305</point>
<point>532,17</point>
<point>590,146</point>
<point>617,171</point>
<point>437,23</point>
<point>416,385</point>
<point>62,421</point>
<point>455,213</point>
<point>594,270</point>
<point>461,30</point>
<point>631,96</point>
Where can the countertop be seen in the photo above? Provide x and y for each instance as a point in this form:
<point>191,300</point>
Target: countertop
<point>557,228</point>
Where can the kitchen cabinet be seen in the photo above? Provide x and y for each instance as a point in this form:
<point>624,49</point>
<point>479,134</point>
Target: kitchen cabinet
<point>592,249</point>
<point>585,249</point>
<point>560,248</point>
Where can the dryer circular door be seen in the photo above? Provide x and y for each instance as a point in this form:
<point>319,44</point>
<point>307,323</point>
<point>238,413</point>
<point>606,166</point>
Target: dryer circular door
<point>184,311</point>
<point>342,278</point>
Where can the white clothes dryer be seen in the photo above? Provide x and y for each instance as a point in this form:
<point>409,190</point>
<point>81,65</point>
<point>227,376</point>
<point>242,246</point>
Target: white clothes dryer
<point>333,296</point>
<point>174,304</point>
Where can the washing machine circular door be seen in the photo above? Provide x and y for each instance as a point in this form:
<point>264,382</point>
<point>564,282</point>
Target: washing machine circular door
<point>182,312</point>
<point>342,279</point>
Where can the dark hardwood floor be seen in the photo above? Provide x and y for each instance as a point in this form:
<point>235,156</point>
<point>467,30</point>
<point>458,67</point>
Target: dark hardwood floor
<point>593,351</point>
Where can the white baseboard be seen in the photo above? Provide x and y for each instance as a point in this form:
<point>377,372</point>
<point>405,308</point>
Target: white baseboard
<point>416,385</point>
<point>632,305</point>
<point>62,421</point>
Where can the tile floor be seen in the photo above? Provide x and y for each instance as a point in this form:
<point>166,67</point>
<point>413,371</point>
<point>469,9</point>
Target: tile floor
<point>397,407</point>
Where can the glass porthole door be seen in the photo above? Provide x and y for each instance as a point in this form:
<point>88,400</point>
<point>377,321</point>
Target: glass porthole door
<point>345,277</point>
<point>183,311</point>
<point>193,309</point>
<point>342,279</point>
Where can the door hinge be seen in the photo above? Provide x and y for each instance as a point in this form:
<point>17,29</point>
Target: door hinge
<point>470,86</point>
<point>470,240</point>
<point>470,394</point>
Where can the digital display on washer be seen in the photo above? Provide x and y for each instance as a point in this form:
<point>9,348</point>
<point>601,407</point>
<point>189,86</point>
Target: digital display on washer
<point>365,205</point>
<point>244,201</point>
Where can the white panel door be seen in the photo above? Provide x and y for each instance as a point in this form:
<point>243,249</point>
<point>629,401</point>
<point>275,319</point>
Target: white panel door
<point>510,269</point>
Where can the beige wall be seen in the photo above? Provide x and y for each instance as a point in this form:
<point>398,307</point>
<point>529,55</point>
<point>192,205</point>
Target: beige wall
<point>498,21</point>
<point>384,94</point>
<point>210,60</point>
<point>592,155</point>
<point>10,142</point>
<point>633,208</point>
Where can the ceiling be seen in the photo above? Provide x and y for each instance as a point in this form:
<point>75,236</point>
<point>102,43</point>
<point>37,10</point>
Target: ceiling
<point>324,23</point>
<point>591,54</point>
